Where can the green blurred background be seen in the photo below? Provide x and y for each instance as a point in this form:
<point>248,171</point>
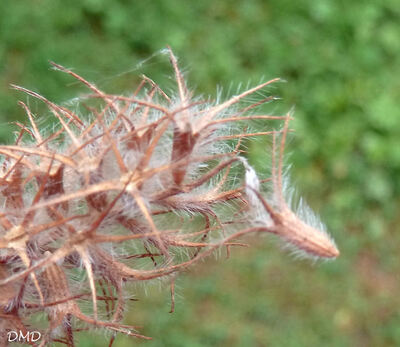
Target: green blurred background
<point>342,63</point>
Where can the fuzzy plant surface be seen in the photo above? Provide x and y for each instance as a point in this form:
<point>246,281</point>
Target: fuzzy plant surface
<point>141,187</point>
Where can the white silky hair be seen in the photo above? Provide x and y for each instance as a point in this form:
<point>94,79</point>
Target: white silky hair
<point>300,207</point>
<point>259,216</point>
<point>251,181</point>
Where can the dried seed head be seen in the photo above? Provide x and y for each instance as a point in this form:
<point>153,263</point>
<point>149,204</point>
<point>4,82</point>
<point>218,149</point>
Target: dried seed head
<point>137,189</point>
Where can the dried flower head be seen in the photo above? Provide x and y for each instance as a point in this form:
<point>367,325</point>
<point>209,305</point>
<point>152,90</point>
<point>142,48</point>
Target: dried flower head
<point>137,189</point>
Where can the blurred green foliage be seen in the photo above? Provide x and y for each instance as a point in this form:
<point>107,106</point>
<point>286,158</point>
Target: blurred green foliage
<point>342,63</point>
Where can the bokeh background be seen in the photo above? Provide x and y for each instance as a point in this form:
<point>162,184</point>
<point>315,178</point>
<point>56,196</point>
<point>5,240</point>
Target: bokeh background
<point>341,60</point>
